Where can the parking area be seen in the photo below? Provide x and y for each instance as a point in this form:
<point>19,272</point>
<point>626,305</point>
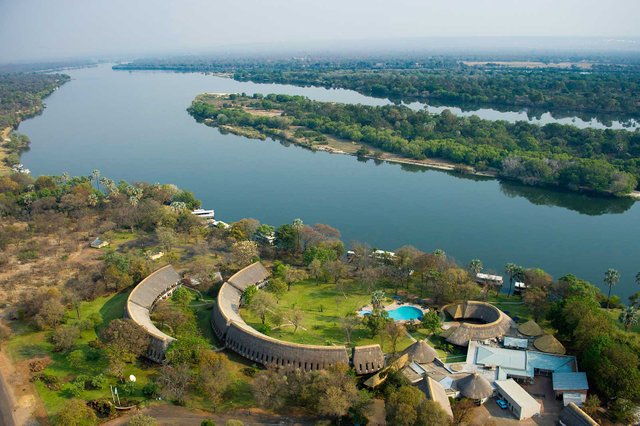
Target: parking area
<point>541,390</point>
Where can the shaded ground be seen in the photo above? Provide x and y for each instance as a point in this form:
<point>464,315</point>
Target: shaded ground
<point>173,415</point>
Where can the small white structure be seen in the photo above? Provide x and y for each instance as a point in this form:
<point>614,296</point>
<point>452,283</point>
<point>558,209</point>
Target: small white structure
<point>519,286</point>
<point>521,404</point>
<point>383,255</point>
<point>515,343</point>
<point>98,243</point>
<point>488,279</point>
<point>156,256</point>
<point>205,214</point>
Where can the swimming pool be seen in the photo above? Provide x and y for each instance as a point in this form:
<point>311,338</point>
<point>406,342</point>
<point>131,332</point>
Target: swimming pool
<point>403,313</point>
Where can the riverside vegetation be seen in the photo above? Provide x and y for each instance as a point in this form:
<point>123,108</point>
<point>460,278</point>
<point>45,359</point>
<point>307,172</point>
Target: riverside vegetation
<point>64,303</point>
<point>599,161</point>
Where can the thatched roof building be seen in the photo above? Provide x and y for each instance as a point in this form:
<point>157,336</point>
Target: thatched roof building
<point>435,392</point>
<point>475,386</point>
<point>549,344</point>
<point>254,274</point>
<point>240,337</point>
<point>141,301</point>
<point>531,328</point>
<point>421,352</point>
<point>496,322</point>
<point>367,359</point>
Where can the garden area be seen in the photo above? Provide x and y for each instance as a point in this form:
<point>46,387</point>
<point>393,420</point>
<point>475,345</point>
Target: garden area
<point>319,314</point>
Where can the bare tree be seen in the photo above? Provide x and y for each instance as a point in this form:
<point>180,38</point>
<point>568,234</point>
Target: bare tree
<point>296,318</point>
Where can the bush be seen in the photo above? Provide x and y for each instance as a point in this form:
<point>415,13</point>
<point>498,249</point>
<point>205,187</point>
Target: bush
<point>64,338</point>
<point>142,420</point>
<point>151,390</point>
<point>207,422</point>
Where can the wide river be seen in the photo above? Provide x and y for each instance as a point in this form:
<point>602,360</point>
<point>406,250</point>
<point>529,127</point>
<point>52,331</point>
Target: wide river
<point>134,126</point>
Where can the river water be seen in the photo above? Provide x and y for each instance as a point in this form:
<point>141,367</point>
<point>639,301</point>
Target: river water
<point>134,126</point>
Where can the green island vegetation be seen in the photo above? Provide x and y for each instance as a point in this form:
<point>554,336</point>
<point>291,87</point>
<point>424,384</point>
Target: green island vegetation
<point>597,161</point>
<point>63,302</point>
<point>21,96</point>
<point>601,86</point>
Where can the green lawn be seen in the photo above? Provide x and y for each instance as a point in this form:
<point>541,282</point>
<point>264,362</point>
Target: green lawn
<point>323,306</point>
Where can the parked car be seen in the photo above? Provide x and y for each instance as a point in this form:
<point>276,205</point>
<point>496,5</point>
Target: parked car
<point>502,403</point>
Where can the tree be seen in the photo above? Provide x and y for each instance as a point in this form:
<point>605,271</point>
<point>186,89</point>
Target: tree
<point>431,321</point>
<point>376,321</point>
<point>348,324</point>
<point>75,412</point>
<point>277,287</point>
<point>628,317</point>
<point>50,314</point>
<point>536,299</point>
<point>270,389</point>
<point>64,338</point>
<point>248,294</point>
<point>394,330</point>
<point>296,318</point>
<point>244,229</point>
<point>515,272</point>
<point>142,420</point>
<point>611,278</point>
<point>167,238</point>
<point>377,299</point>
<point>214,376</point>
<point>431,414</point>
<point>335,269</point>
<point>244,252</point>
<point>261,304</point>
<point>402,406</point>
<point>591,405</point>
<point>462,411</point>
<point>293,275</point>
<point>475,266</point>
<point>174,381</point>
<point>126,337</point>
<point>182,297</point>
<point>316,270</point>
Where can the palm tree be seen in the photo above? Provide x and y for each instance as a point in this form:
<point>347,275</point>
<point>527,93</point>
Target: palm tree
<point>628,317</point>
<point>611,278</point>
<point>475,266</point>
<point>638,278</point>
<point>377,297</point>
<point>515,272</point>
<point>95,177</point>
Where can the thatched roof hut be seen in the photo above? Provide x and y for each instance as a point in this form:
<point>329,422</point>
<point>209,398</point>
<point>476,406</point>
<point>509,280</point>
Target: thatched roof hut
<point>496,322</point>
<point>421,352</point>
<point>435,392</point>
<point>531,328</point>
<point>475,386</point>
<point>549,344</point>
<point>367,359</point>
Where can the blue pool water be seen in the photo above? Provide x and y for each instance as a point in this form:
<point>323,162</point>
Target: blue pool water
<point>403,313</point>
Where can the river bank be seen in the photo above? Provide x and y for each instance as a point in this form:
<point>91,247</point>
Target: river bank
<point>4,137</point>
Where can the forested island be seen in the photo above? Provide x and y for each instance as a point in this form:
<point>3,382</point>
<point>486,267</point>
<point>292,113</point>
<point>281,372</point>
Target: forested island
<point>602,89</point>
<point>597,161</point>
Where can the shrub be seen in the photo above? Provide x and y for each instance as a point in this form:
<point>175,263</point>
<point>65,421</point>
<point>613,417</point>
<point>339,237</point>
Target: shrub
<point>64,338</point>
<point>151,390</point>
<point>142,420</point>
<point>207,422</point>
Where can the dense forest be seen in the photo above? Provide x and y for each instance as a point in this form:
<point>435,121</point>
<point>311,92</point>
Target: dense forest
<point>606,162</point>
<point>21,95</point>
<point>590,88</point>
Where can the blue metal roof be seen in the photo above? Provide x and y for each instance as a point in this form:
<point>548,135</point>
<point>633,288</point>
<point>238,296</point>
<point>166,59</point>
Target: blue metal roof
<point>570,381</point>
<point>499,357</point>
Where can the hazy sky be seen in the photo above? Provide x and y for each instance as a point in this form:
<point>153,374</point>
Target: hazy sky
<point>49,29</point>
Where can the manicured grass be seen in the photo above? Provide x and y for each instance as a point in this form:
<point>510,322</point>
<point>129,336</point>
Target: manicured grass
<point>323,306</point>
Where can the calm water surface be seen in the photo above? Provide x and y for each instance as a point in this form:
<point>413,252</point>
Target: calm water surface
<point>133,126</point>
